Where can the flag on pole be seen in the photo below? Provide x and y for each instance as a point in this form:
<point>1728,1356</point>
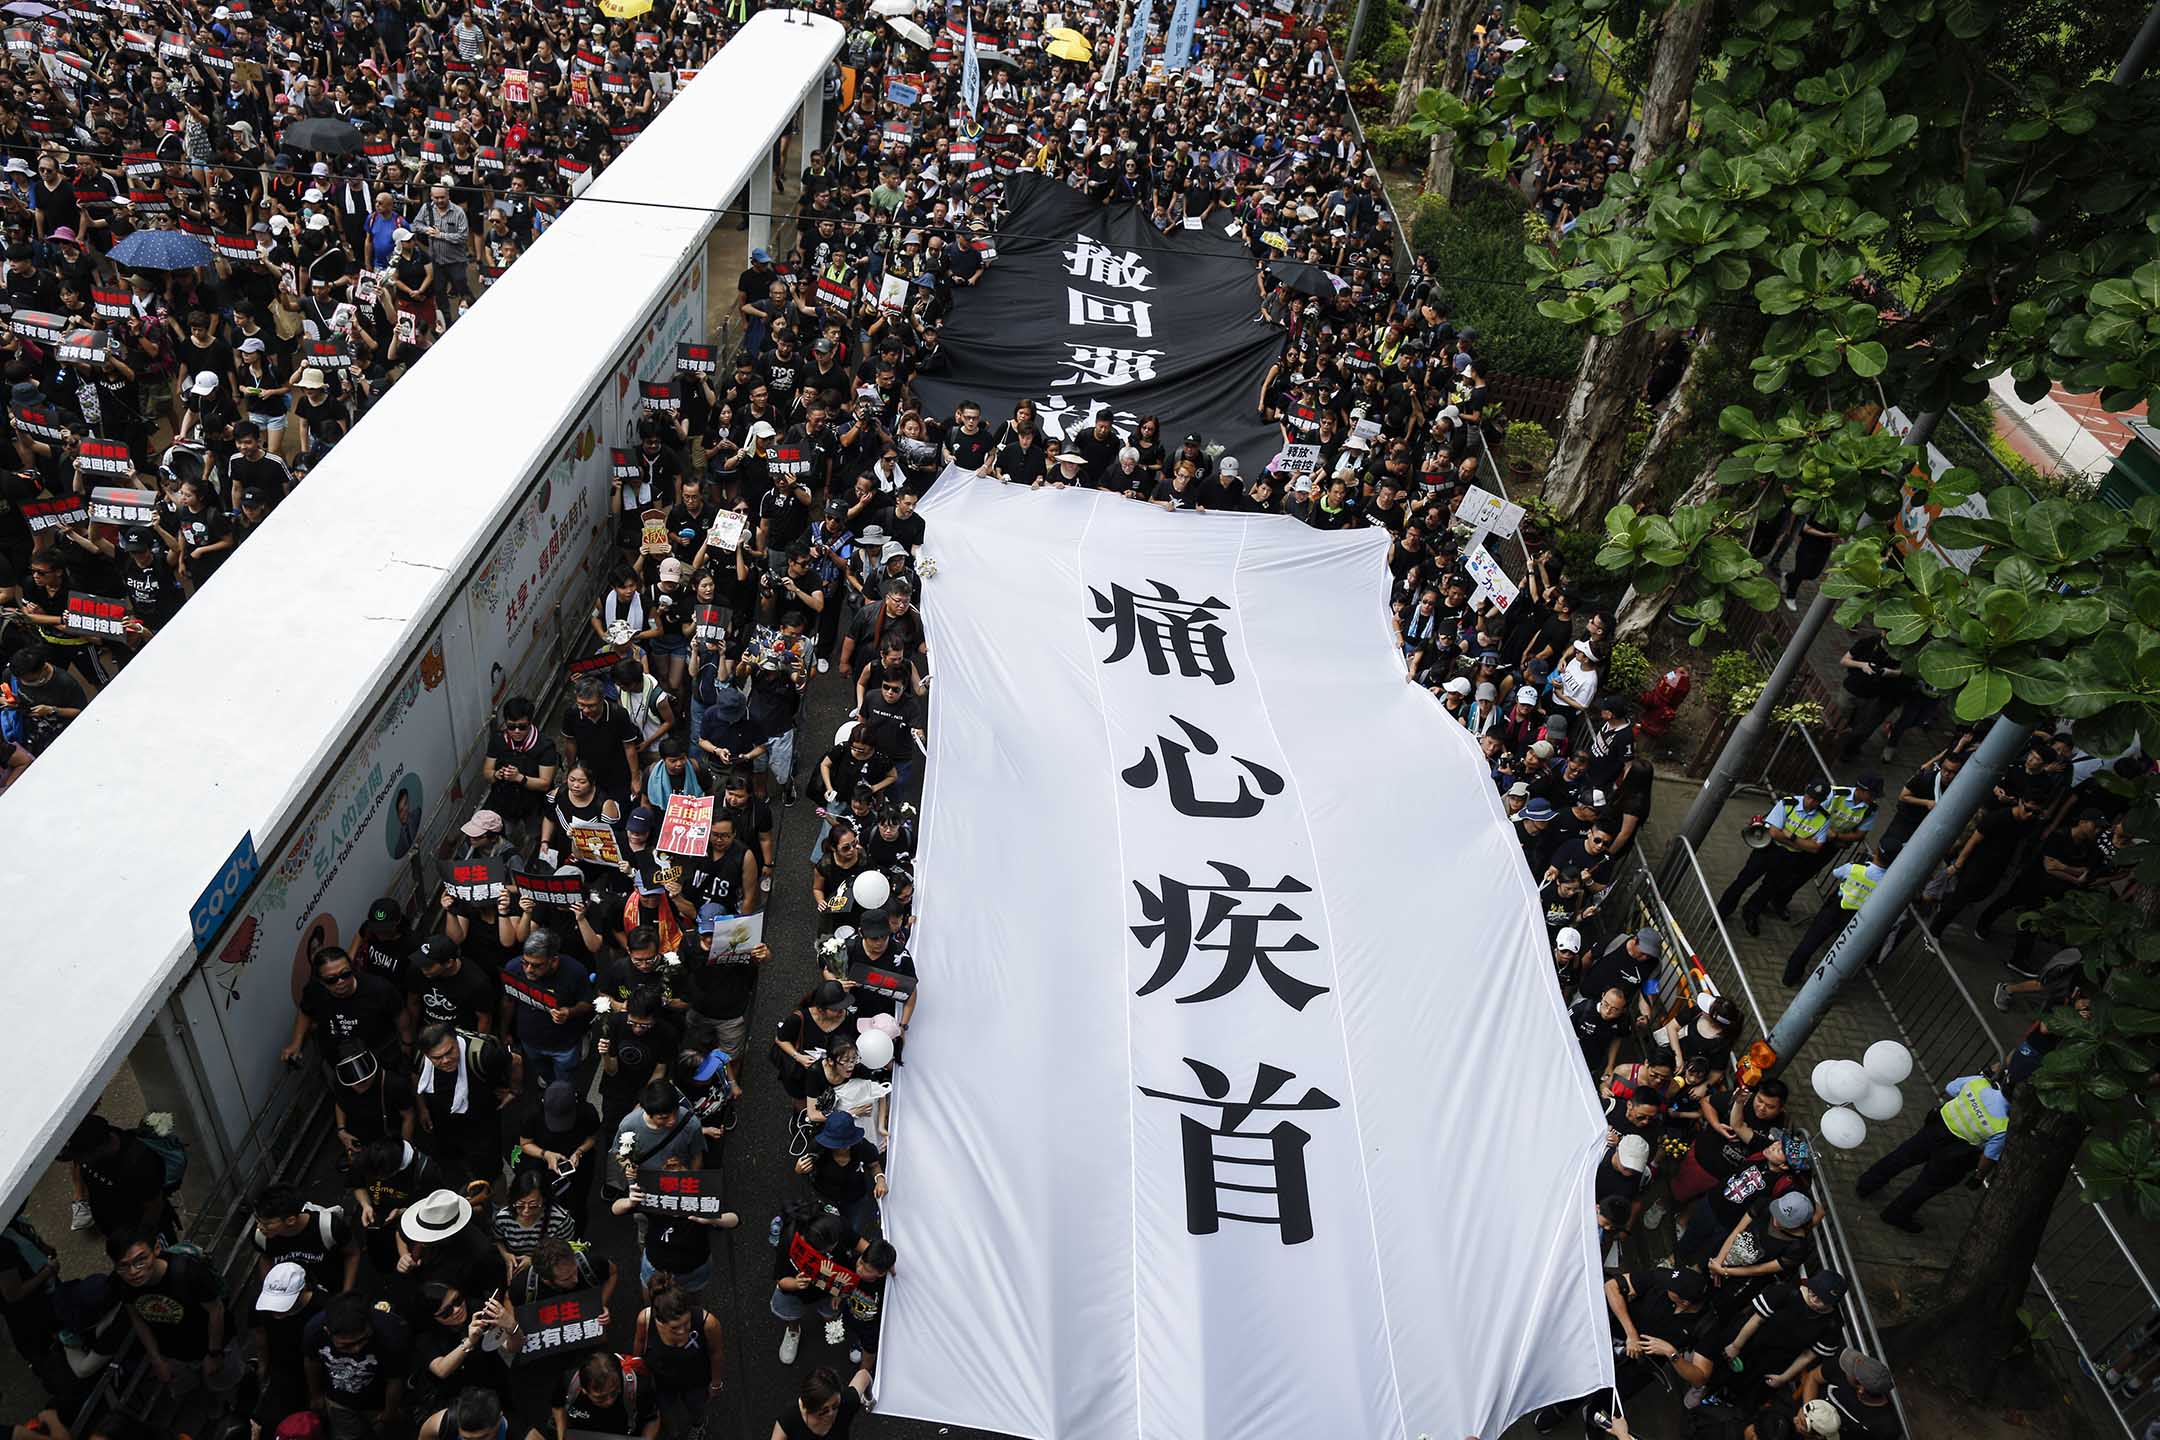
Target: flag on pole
<point>1177,40</point>
<point>1136,39</point>
<point>971,72</point>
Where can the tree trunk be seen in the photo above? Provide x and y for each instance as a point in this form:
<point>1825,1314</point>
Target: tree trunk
<point>1585,472</point>
<point>1639,613</point>
<point>1641,488</point>
<point>1440,167</point>
<point>1417,71</point>
<point>1969,1322</point>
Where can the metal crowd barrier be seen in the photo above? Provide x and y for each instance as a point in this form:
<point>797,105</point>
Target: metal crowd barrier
<point>1699,959</point>
<point>2093,1283</point>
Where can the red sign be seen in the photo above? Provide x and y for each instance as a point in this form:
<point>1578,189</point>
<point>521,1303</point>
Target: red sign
<point>687,827</point>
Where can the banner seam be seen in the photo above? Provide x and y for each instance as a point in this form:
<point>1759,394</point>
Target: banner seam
<point>1267,717</point>
<point>1132,1082</point>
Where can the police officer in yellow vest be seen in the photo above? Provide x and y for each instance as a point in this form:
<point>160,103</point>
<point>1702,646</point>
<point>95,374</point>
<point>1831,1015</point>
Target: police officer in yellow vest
<point>1963,1137</point>
<point>1856,882</point>
<point>1799,827</point>
<point>1851,809</point>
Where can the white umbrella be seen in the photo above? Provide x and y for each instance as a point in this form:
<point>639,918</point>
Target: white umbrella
<point>1509,47</point>
<point>886,8</point>
<point>909,31</point>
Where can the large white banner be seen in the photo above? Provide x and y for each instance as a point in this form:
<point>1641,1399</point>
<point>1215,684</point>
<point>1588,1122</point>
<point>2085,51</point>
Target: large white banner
<point>1240,1100</point>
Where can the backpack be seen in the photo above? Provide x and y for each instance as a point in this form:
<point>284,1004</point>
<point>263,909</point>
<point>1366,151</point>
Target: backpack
<point>326,1218</point>
<point>171,1150</point>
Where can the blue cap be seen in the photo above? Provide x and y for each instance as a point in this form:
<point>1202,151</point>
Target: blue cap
<point>761,255</point>
<point>714,1062</point>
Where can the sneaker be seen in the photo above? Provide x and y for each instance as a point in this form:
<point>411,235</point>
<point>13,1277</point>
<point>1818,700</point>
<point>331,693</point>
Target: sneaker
<point>2113,1378</point>
<point>854,1357</point>
<point>764,883</point>
<point>2023,969</point>
<point>1693,1397</point>
<point>835,1332</point>
<point>79,1215</point>
<point>788,795</point>
<point>772,1233</point>
<point>790,1344</point>
<point>2002,997</point>
<point>1889,752</point>
<point>1791,603</point>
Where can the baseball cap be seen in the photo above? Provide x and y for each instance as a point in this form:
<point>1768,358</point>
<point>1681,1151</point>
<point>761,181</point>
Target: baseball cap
<point>671,569</point>
<point>1648,941</point>
<point>1820,1417</point>
<point>253,345</point>
<point>1828,1285</point>
<point>434,950</point>
<point>281,1288</point>
<point>643,820</point>
<point>1792,1210</point>
<point>1570,940</point>
<point>1460,685</point>
<point>204,383</point>
<point>1633,1153</point>
<point>874,924</point>
<point>1527,695</point>
<point>401,235</point>
<point>1865,1371</point>
<point>1543,749</point>
<point>137,539</point>
<point>483,822</point>
<point>761,255</point>
<point>383,916</point>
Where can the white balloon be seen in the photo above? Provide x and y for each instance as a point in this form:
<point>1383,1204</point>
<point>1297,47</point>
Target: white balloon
<point>874,1049</point>
<point>1880,1101</point>
<point>840,736</point>
<point>1888,1062</point>
<point>1842,1128</point>
<point>1838,1082</point>
<point>871,889</point>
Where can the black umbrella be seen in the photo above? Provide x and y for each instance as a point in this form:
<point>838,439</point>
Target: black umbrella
<point>325,137</point>
<point>997,57</point>
<point>1303,278</point>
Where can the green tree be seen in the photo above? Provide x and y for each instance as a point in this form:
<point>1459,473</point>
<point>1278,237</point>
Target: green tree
<point>2059,617</point>
<point>1878,201</point>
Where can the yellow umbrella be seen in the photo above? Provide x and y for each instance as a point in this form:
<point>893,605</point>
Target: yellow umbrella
<point>1069,45</point>
<point>624,9</point>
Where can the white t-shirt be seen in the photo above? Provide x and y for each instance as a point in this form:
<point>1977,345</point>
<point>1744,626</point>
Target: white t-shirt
<point>1577,683</point>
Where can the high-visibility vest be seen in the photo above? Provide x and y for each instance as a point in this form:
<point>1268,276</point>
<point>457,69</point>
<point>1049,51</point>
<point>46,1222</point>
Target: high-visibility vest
<point>1845,812</point>
<point>1859,883</point>
<point>1804,824</point>
<point>1967,1115</point>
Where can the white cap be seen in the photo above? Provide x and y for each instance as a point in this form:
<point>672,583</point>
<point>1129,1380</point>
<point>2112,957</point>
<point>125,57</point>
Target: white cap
<point>253,345</point>
<point>400,235</point>
<point>312,196</point>
<point>281,1288</point>
<point>279,224</point>
<point>1460,685</point>
<point>204,382</point>
<point>318,221</point>
<point>1569,939</point>
<point>1526,696</point>
<point>1230,465</point>
<point>1633,1152</point>
<point>320,170</point>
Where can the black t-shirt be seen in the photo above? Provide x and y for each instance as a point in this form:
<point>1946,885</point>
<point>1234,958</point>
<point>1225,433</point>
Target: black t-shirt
<point>1790,1326</point>
<point>378,1112</point>
<point>515,801</point>
<point>843,1426</point>
<point>176,1306</point>
<point>636,1056</point>
<point>319,1248</point>
<point>1651,1307</point>
<point>676,1243</point>
<point>122,1184</point>
<point>600,743</point>
<point>623,1416</point>
<point>458,999</point>
<point>969,451</point>
<point>360,1381</point>
<point>1858,1419</point>
<point>368,1013</point>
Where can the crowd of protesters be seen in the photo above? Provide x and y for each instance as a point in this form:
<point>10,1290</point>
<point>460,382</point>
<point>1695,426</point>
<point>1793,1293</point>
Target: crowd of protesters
<point>511,1079</point>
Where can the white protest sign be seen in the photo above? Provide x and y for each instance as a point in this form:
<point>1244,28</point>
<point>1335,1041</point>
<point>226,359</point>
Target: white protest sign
<point>1487,513</point>
<point>727,530</point>
<point>1297,459</point>
<point>1492,582</point>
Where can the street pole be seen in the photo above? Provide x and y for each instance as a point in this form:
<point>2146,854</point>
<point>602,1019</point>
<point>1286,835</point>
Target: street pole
<point>1357,31</point>
<point>1718,785</point>
<point>1872,923</point>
